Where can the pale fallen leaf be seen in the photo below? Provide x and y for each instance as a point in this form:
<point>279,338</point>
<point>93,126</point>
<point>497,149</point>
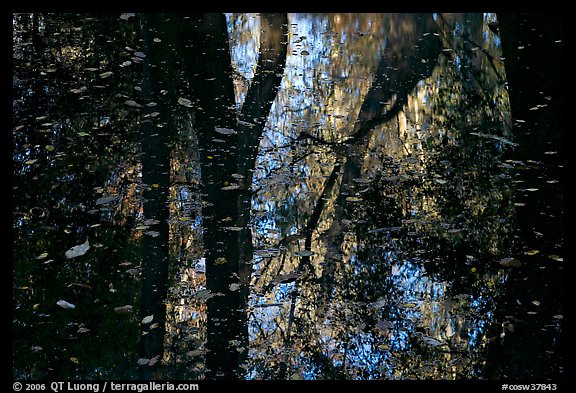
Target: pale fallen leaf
<point>65,305</point>
<point>124,310</point>
<point>106,74</point>
<point>107,199</point>
<point>185,102</point>
<point>433,342</point>
<point>147,319</point>
<point>230,187</point>
<point>42,256</point>
<point>127,15</point>
<point>196,352</point>
<point>154,360</point>
<point>225,131</point>
<point>143,361</point>
<point>74,360</point>
<point>234,287</point>
<point>78,250</point>
<point>510,262</point>
<point>132,103</point>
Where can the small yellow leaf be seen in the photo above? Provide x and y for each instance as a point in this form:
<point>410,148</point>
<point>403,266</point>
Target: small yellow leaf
<point>473,270</point>
<point>74,360</point>
<point>49,147</point>
<point>30,162</point>
<point>384,347</point>
<point>155,185</point>
<point>409,305</point>
<point>220,261</point>
<point>36,306</point>
<point>83,134</point>
<point>532,252</point>
<point>209,157</point>
<point>42,256</point>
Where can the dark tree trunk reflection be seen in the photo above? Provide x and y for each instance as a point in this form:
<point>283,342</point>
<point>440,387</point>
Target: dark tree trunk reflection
<point>156,134</point>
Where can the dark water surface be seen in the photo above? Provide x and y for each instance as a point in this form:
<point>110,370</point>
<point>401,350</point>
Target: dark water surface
<point>301,196</point>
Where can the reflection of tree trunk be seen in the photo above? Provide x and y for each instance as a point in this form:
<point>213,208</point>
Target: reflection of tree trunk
<point>533,60</point>
<point>406,60</point>
<point>228,147</point>
<point>206,57</point>
<point>257,105</point>
<point>158,71</point>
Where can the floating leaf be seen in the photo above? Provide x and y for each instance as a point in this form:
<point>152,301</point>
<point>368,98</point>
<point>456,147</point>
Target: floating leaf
<point>185,102</point>
<point>152,233</point>
<point>126,63</point>
<point>433,342</point>
<point>304,253</point>
<point>65,305</point>
<point>441,181</point>
<point>78,250</point>
<point>127,15</point>
<point>83,134</point>
<point>124,310</point>
<point>79,90</point>
<point>409,305</point>
<point>384,347</point>
<point>234,287</point>
<point>231,187</point>
<point>151,221</point>
<point>154,360</point>
<point>49,147</point>
<point>556,258</point>
<point>132,103</point>
<point>140,55</point>
<point>36,349</point>
<point>233,229</point>
<point>30,162</point>
<point>225,131</point>
<point>304,53</point>
<point>143,361</point>
<point>42,256</point>
<point>536,303</point>
<point>531,189</point>
<point>354,199</point>
<point>74,360</point>
<point>106,74</point>
<point>220,261</point>
<point>141,227</point>
<point>510,262</point>
<point>204,294</point>
<point>148,319</point>
<point>196,352</point>
<point>531,252</point>
<point>156,39</point>
<point>107,199</point>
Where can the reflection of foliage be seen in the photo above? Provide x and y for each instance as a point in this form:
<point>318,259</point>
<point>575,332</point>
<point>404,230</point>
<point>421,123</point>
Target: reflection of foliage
<point>435,202</point>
